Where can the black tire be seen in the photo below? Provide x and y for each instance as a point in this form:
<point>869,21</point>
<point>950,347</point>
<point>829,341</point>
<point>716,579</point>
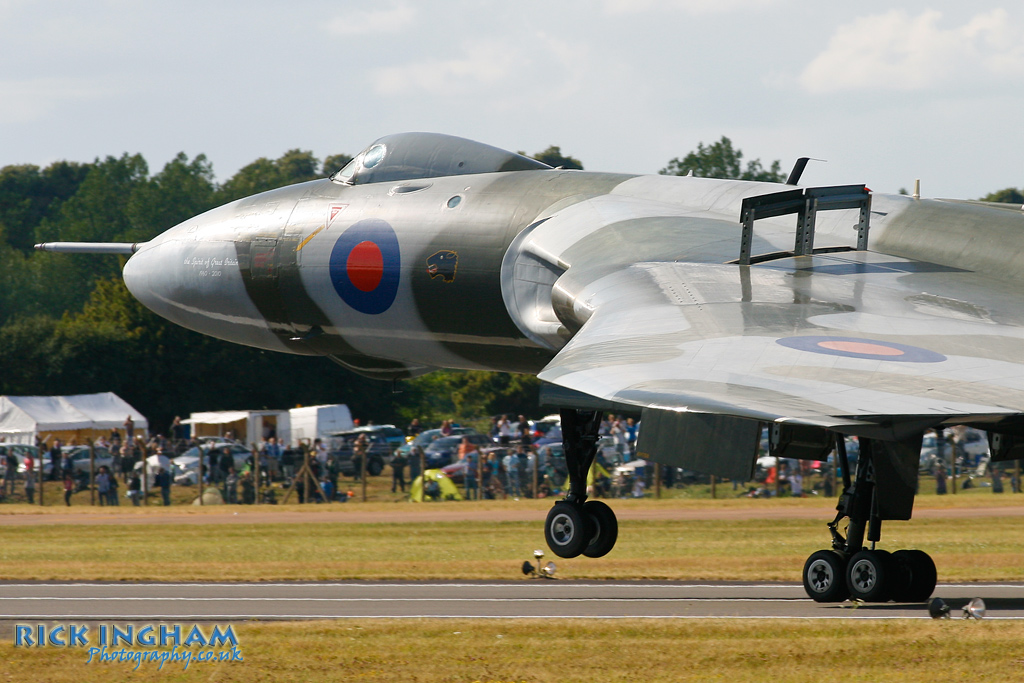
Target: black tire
<point>919,576</point>
<point>825,577</point>
<point>374,468</point>
<point>870,575</point>
<point>567,530</point>
<point>605,528</point>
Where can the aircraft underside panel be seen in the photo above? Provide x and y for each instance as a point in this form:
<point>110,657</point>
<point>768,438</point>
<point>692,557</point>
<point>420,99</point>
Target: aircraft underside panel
<point>721,445</point>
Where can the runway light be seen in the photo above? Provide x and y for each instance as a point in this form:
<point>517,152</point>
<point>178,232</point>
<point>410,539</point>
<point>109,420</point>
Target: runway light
<point>539,572</point>
<point>938,609</point>
<point>975,609</point>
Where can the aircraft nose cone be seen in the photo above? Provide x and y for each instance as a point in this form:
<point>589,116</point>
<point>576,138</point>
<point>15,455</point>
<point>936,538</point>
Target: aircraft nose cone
<point>197,284</point>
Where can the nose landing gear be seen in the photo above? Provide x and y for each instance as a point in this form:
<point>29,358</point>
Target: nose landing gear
<point>576,526</point>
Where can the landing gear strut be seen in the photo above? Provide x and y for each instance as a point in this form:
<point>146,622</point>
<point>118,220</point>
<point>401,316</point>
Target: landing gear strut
<point>849,570</point>
<point>576,526</point>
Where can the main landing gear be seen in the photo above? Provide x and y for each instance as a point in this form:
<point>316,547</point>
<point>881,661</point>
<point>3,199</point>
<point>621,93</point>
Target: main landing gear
<point>849,570</point>
<point>576,526</point>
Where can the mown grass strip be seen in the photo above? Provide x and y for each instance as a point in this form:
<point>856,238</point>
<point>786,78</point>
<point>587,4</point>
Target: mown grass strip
<point>974,549</point>
<point>576,650</point>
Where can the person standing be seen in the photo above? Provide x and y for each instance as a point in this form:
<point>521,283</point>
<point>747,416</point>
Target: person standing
<point>504,430</point>
<point>129,429</point>
<point>288,464</point>
<point>523,431</point>
<point>511,464</point>
<point>467,453</point>
<point>69,488</point>
<point>10,470</point>
<point>55,451</point>
<point>940,480</point>
<point>225,463</point>
<point>112,491</point>
<point>103,485</point>
<point>359,448</point>
<point>163,480</point>
<point>30,481</point>
<point>231,488</point>
<point>397,472</point>
<point>415,456</point>
<point>135,488</point>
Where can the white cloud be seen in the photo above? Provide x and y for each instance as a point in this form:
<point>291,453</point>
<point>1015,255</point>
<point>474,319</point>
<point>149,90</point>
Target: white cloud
<point>690,6</point>
<point>482,64</point>
<point>392,20</point>
<point>896,51</point>
<point>32,100</point>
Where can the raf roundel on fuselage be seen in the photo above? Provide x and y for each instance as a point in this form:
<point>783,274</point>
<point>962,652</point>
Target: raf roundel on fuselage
<point>365,266</point>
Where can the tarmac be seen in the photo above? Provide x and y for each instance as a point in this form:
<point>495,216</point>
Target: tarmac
<point>352,514</point>
<point>517,599</point>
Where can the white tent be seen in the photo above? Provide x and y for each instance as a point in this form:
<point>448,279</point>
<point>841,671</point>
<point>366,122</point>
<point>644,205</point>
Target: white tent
<point>22,418</point>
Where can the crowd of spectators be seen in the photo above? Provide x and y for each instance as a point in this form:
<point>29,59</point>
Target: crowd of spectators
<point>515,458</point>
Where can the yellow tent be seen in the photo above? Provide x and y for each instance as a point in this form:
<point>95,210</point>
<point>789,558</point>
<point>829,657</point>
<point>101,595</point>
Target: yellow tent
<point>446,488</point>
<point>591,475</point>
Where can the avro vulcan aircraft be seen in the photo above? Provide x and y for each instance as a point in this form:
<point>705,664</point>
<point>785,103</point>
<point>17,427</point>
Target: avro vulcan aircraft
<point>709,307</point>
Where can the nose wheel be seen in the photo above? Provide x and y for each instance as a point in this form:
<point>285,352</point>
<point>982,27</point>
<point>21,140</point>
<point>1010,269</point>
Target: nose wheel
<point>572,530</point>
<point>576,526</point>
<point>566,530</point>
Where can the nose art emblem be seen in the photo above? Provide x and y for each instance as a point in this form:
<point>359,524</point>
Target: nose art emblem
<point>365,266</point>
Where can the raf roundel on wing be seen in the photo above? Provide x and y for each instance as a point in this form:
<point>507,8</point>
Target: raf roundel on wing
<point>866,349</point>
<point>365,266</point>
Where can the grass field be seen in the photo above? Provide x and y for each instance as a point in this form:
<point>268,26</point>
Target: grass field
<point>571,650</point>
<point>774,547</point>
<point>769,542</point>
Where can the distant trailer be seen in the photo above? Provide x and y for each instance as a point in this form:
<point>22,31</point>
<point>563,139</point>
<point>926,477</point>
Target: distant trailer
<point>318,421</point>
<point>249,427</point>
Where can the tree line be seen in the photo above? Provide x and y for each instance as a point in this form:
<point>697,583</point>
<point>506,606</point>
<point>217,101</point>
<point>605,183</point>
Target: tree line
<point>68,325</point>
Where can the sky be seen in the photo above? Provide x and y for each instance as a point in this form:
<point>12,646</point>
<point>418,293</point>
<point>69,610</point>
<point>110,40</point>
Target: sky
<point>885,92</point>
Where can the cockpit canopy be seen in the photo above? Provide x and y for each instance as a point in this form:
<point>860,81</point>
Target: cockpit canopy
<point>408,156</point>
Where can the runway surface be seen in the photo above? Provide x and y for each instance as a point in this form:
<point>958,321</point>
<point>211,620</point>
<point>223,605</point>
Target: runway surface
<point>511,599</point>
<point>444,513</point>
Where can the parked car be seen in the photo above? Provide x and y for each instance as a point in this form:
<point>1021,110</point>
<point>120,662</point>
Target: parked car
<point>543,426</point>
<point>552,459</point>
<point>152,468</point>
<point>185,469</point>
<point>20,451</point>
<point>425,438</point>
<point>443,451</point>
<point>378,452</point>
<point>79,459</point>
<point>394,436</point>
<point>971,449</point>
<point>239,453</point>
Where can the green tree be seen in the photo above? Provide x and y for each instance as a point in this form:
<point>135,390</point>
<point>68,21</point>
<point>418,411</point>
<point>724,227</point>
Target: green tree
<point>720,160</point>
<point>29,194</point>
<point>294,166</point>
<point>183,189</point>
<point>468,396</point>
<point>333,163</point>
<point>1010,195</point>
<point>554,158</point>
